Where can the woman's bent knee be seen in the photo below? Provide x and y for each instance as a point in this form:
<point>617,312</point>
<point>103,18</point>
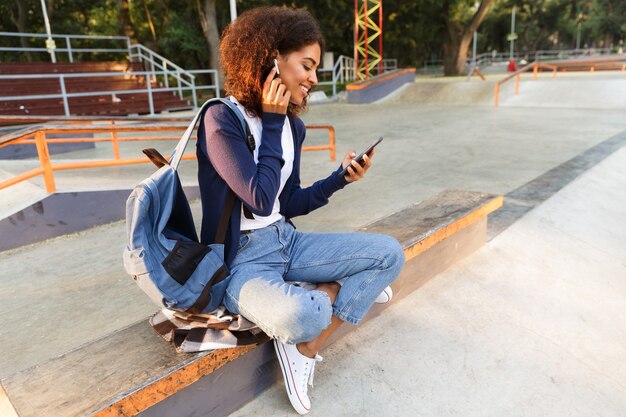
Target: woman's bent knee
<point>286,312</point>
<point>393,252</point>
<point>304,318</point>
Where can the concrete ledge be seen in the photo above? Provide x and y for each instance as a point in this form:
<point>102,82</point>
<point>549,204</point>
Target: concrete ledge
<point>6,408</point>
<point>133,372</point>
<point>375,88</point>
<point>55,215</point>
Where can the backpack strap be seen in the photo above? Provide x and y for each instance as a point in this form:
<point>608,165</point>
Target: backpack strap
<point>222,226</point>
<point>251,146</point>
<point>177,154</point>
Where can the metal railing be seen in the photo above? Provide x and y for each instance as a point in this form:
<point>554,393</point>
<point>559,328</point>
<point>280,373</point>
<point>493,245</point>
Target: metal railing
<point>555,66</point>
<point>390,64</point>
<point>331,141</point>
<point>159,65</point>
<point>573,53</point>
<point>344,70</point>
<point>47,168</point>
<point>435,66</point>
<point>115,129</point>
<point>149,90</point>
<point>546,54</point>
<point>215,86</point>
<point>69,49</point>
<point>160,68</point>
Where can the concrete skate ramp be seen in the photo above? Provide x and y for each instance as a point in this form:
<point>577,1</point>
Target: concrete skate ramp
<point>455,91</point>
<point>592,91</point>
<point>531,324</point>
<point>63,213</point>
<point>566,90</point>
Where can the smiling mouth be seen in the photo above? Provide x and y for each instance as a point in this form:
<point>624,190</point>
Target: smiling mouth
<point>304,89</point>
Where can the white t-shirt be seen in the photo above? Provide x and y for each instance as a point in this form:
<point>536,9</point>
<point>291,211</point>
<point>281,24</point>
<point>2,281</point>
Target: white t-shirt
<point>256,128</point>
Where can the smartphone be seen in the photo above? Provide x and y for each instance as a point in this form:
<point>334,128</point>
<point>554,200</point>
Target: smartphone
<point>276,66</point>
<point>359,158</point>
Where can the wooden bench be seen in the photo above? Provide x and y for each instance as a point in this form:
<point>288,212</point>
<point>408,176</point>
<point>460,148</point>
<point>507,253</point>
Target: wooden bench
<point>134,372</point>
<point>131,103</point>
<point>135,103</point>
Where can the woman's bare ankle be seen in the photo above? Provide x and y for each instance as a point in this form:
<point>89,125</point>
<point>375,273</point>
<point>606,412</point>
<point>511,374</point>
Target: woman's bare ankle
<point>305,349</point>
<point>330,288</point>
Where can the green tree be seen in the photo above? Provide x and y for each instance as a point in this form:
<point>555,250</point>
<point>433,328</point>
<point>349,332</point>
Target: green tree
<point>541,24</point>
<point>410,34</point>
<point>413,30</point>
<point>19,17</point>
<point>126,26</point>
<point>207,14</point>
<point>461,19</point>
<point>607,20</point>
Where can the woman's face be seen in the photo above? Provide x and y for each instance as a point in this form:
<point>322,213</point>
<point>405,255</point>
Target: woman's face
<point>297,71</point>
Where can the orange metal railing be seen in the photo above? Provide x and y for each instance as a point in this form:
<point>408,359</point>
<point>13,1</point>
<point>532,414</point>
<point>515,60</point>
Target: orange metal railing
<point>37,135</point>
<point>555,66</point>
<point>331,141</point>
<point>535,66</point>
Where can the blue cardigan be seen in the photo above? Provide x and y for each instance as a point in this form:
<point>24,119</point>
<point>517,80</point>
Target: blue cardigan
<point>224,161</point>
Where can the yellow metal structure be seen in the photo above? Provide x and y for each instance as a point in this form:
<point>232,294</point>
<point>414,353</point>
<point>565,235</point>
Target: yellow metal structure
<point>368,28</point>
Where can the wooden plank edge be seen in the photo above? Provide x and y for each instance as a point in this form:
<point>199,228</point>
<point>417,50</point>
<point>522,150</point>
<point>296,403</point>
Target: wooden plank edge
<point>6,407</point>
<point>465,221</point>
<point>131,404</point>
<point>138,401</point>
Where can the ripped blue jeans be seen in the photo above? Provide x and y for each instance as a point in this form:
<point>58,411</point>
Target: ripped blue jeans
<point>270,258</point>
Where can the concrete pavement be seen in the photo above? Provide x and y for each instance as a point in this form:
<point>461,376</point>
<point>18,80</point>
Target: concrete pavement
<point>532,324</point>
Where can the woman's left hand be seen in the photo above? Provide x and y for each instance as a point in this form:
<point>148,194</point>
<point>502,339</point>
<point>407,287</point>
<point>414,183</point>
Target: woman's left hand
<point>355,170</point>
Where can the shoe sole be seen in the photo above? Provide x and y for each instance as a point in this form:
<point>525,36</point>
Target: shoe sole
<point>389,295</point>
<point>285,367</point>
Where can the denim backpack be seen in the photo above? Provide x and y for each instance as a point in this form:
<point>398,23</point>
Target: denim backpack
<point>163,254</point>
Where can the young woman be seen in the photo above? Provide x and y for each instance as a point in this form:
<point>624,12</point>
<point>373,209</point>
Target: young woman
<point>340,274</point>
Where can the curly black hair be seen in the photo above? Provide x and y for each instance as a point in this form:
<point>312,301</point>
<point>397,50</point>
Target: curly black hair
<point>250,44</point>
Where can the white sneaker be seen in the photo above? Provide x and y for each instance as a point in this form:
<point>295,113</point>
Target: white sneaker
<point>385,296</point>
<point>306,285</point>
<point>298,371</point>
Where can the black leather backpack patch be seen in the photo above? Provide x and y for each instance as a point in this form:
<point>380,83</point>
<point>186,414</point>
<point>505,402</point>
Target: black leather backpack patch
<point>184,259</point>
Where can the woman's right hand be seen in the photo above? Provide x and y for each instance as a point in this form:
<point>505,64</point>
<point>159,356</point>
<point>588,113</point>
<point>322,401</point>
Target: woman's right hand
<point>275,95</point>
